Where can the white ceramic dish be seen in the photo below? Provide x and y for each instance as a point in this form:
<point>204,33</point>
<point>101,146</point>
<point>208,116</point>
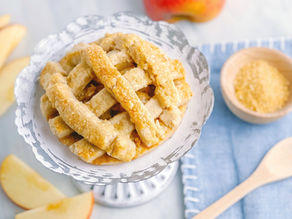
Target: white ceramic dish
<point>57,157</point>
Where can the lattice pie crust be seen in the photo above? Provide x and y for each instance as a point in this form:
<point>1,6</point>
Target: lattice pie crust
<point>114,99</point>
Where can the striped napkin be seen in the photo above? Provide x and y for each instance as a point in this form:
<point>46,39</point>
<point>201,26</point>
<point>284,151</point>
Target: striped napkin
<point>229,150</point>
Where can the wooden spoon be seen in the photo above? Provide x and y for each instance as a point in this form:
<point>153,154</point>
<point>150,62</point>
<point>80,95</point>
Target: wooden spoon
<point>276,165</point>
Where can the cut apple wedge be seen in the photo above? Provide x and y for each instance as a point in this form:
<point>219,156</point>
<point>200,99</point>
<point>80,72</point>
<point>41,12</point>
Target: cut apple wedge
<point>10,36</point>
<point>24,186</point>
<point>77,207</point>
<point>4,20</point>
<point>8,76</point>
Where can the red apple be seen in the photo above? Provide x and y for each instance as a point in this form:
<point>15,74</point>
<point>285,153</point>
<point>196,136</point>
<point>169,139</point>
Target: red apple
<point>175,10</point>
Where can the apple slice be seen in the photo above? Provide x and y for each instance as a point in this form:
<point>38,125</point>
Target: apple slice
<point>77,207</point>
<point>10,36</point>
<point>4,20</point>
<point>7,78</point>
<point>24,186</point>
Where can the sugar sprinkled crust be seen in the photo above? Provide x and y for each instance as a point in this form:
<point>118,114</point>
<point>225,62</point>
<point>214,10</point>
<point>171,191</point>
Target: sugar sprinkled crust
<point>114,99</point>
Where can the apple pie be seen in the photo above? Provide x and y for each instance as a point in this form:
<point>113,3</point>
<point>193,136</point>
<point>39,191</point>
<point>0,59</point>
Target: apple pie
<point>115,99</point>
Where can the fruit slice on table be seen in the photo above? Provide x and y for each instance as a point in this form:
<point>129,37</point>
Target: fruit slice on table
<point>4,20</point>
<point>10,36</point>
<point>77,207</point>
<point>8,75</point>
<point>24,186</point>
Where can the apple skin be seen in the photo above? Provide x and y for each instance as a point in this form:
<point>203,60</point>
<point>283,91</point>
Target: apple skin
<point>92,204</point>
<point>176,10</point>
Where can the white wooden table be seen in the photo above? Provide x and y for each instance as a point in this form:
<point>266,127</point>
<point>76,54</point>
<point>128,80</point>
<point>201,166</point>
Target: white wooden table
<point>241,19</point>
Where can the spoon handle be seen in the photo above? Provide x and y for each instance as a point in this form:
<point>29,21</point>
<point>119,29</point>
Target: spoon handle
<point>232,197</point>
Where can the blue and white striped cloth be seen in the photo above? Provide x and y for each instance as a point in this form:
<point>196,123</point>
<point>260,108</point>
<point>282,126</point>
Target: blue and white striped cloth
<point>229,150</point>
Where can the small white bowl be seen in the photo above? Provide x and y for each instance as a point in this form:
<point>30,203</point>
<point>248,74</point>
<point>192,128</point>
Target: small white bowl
<point>232,66</point>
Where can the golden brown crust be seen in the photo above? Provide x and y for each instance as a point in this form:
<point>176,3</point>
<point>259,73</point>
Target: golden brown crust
<point>101,93</point>
<point>77,116</point>
<point>123,92</point>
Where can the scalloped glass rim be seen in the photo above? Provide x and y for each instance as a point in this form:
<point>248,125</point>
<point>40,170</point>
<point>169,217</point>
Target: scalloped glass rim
<point>47,148</point>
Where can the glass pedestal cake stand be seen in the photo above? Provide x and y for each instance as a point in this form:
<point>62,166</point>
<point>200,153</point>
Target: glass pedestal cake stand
<point>142,179</point>
<point>124,195</point>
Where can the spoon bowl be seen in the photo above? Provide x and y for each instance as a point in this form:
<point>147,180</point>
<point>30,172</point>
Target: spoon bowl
<point>277,164</point>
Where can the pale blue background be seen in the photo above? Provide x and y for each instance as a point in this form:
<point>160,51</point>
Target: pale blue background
<point>241,19</point>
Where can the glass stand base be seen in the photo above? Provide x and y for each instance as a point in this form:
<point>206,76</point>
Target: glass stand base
<point>122,195</point>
